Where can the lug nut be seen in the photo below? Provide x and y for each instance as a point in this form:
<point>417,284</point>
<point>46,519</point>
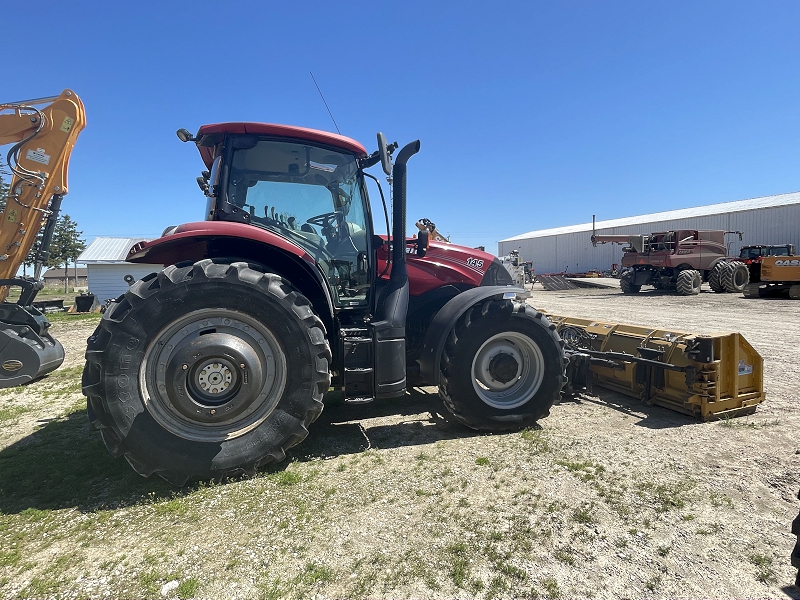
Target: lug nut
<point>184,367</point>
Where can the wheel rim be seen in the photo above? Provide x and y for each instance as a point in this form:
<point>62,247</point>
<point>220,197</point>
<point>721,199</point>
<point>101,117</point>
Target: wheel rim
<point>740,277</point>
<point>507,370</point>
<point>212,375</point>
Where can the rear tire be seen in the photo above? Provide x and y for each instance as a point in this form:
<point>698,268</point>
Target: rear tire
<point>734,277</point>
<point>689,282</point>
<point>626,283</point>
<point>715,277</point>
<point>206,371</point>
<point>502,368</point>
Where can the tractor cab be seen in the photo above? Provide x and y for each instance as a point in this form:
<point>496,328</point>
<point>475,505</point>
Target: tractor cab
<point>305,186</point>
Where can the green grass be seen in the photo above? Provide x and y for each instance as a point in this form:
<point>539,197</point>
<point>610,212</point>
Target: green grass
<point>11,413</point>
<point>65,317</point>
<point>664,497</point>
<point>535,440</point>
<point>764,571</point>
<point>584,514</point>
<point>187,588</point>
<point>287,478</point>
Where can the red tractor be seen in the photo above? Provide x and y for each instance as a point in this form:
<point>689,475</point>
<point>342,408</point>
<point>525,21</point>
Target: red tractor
<point>218,363</point>
<point>679,260</point>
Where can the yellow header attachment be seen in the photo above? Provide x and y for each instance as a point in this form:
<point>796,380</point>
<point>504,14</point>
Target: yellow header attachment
<point>43,139</point>
<point>708,376</point>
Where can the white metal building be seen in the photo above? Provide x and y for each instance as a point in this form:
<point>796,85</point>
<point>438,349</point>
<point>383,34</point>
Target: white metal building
<point>106,267</point>
<point>768,220</point>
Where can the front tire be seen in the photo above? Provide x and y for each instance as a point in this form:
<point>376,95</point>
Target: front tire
<point>205,371</point>
<point>689,282</point>
<point>626,283</point>
<point>502,367</point>
<point>734,277</point>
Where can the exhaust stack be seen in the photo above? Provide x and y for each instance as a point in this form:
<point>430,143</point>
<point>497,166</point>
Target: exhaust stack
<point>389,334</point>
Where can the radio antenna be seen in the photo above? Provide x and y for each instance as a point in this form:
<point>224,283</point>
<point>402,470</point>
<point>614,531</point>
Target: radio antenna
<point>325,103</point>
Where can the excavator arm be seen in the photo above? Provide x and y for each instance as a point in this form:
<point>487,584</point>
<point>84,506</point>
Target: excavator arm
<point>42,133</point>
<point>42,140</point>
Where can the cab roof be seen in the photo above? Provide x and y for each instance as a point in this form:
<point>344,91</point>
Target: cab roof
<point>217,130</point>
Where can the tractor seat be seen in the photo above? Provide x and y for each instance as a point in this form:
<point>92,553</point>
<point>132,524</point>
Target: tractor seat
<point>308,232</point>
<point>359,236</point>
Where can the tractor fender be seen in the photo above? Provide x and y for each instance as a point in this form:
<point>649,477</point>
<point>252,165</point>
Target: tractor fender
<point>435,337</point>
<point>219,239</point>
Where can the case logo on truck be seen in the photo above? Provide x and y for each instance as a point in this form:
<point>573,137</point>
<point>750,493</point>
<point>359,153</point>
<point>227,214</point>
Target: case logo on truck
<point>787,263</point>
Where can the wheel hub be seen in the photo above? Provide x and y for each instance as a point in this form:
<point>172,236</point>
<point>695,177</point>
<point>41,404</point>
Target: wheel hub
<point>503,367</point>
<point>507,370</point>
<point>213,375</point>
<point>212,380</point>
<point>212,371</point>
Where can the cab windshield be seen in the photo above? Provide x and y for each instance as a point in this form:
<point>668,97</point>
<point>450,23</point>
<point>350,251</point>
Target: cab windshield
<point>752,252</point>
<point>314,197</point>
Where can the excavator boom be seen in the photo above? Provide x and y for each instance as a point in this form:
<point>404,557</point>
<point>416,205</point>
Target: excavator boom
<point>43,139</point>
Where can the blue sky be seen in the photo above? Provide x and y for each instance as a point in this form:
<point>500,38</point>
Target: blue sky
<point>531,114</point>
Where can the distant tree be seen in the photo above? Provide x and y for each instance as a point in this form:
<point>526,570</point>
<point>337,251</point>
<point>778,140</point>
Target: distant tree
<point>30,260</point>
<point>66,246</point>
<point>5,183</point>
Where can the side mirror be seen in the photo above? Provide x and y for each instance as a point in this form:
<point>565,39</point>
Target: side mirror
<point>423,237</point>
<point>386,158</point>
<point>184,135</point>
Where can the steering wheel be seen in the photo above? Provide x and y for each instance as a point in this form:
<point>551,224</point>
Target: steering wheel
<point>328,219</point>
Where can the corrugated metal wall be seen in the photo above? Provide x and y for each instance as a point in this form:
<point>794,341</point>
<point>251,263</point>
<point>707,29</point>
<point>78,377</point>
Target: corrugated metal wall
<point>108,281</point>
<point>574,252</point>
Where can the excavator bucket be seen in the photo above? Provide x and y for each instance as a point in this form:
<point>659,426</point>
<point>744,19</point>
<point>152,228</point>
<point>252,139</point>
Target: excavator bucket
<point>27,352</point>
<point>707,376</point>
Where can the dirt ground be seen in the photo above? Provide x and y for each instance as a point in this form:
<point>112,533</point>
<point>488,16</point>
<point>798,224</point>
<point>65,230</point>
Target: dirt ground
<point>609,499</point>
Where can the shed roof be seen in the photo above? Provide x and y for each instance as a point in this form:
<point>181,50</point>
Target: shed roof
<point>59,273</point>
<point>107,250</point>
<point>669,215</point>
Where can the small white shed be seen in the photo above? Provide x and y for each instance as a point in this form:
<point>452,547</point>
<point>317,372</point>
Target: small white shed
<point>106,267</point>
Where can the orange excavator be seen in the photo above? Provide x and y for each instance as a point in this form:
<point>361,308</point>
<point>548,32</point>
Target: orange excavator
<point>42,133</point>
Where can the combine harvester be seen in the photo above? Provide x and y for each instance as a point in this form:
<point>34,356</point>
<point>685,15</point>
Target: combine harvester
<point>679,260</point>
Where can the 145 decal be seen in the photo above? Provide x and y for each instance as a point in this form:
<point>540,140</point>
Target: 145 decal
<point>475,262</point>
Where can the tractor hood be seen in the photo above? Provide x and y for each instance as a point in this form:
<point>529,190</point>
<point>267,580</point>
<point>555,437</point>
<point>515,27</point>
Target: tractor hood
<point>449,264</point>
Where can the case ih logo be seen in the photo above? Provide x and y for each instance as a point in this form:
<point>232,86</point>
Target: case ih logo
<point>787,263</point>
